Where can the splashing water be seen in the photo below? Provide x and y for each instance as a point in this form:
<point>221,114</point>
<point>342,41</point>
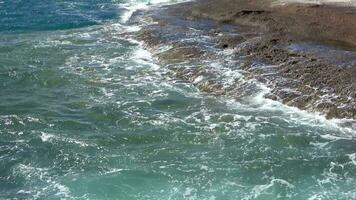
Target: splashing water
<point>86,113</point>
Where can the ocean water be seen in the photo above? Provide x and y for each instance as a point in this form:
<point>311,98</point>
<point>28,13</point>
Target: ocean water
<point>87,113</point>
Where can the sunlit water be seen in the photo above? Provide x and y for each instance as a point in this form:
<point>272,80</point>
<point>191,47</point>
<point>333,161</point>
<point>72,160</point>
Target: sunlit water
<point>85,113</point>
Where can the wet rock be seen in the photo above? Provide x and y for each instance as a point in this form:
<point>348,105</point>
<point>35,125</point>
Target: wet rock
<point>229,41</point>
<point>180,53</point>
<point>296,78</point>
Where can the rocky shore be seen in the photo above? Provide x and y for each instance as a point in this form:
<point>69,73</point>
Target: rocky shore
<point>305,53</point>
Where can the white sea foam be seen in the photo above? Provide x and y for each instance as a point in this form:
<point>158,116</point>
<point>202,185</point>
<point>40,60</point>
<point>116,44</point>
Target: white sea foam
<point>35,175</point>
<point>113,171</point>
<point>144,57</point>
<point>10,120</point>
<point>302,116</point>
<point>315,197</point>
<point>133,6</point>
<point>259,190</point>
<point>130,9</point>
<point>47,137</point>
<point>338,2</point>
<point>352,158</point>
<point>142,54</point>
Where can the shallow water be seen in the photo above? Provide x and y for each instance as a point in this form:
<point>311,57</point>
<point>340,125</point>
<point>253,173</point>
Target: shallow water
<point>86,113</point>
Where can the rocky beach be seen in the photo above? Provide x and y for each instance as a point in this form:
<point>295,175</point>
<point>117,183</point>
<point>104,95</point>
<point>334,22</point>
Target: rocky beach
<point>303,51</point>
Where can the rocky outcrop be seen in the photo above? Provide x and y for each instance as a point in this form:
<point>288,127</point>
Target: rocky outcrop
<point>261,35</point>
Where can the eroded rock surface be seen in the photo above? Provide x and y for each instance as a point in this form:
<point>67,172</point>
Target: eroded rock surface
<point>247,39</point>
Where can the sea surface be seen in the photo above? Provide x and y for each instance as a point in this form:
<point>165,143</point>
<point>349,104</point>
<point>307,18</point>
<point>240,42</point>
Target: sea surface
<point>87,113</point>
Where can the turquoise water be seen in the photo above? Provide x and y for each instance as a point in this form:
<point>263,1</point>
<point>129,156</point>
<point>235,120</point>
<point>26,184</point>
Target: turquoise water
<point>85,113</point>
